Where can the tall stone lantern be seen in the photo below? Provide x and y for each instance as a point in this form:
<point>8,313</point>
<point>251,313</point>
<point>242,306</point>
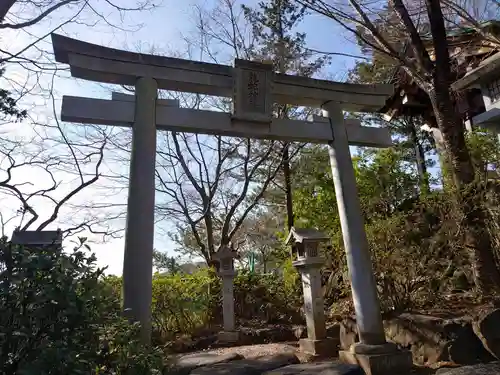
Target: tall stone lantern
<point>307,260</point>
<point>225,258</point>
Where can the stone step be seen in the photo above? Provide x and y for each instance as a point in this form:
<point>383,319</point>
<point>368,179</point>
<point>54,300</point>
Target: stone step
<point>277,364</point>
<point>479,369</point>
<point>253,366</point>
<point>187,363</point>
<point>322,368</point>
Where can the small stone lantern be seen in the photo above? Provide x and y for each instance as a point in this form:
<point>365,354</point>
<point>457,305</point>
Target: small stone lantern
<point>305,246</point>
<point>225,259</point>
<point>305,252</point>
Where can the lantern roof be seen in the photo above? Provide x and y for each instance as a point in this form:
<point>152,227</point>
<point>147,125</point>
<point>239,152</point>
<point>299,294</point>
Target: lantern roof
<point>305,234</point>
<point>225,252</point>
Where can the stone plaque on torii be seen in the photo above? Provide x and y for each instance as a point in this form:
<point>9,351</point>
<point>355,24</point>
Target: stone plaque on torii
<point>254,88</point>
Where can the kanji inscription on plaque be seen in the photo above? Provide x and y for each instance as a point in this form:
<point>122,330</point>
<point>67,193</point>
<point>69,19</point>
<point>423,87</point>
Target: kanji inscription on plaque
<point>252,91</point>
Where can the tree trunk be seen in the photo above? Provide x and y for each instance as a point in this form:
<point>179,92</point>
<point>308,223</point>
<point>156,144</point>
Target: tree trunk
<point>419,158</point>
<point>478,241</point>
<point>288,186</point>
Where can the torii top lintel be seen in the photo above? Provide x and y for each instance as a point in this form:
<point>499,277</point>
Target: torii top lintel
<point>108,65</point>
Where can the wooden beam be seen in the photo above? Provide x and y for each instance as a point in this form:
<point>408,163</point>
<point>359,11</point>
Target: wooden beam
<point>120,96</point>
<point>97,111</point>
<point>126,73</point>
<point>289,93</point>
<point>112,112</point>
<point>358,135</point>
<point>102,64</point>
<point>63,46</point>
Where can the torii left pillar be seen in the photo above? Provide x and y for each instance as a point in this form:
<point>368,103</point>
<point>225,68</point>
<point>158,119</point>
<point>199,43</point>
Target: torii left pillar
<point>139,231</point>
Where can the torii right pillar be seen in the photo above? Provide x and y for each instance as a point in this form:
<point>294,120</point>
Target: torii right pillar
<point>373,353</point>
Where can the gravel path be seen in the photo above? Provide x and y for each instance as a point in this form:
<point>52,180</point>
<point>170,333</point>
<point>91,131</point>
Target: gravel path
<point>252,351</point>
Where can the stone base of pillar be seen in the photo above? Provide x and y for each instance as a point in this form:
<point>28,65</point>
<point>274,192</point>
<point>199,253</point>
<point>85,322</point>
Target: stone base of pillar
<point>378,359</point>
<point>228,337</point>
<point>320,348</point>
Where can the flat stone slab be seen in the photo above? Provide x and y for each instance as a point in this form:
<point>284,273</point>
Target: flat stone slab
<point>205,359</point>
<point>187,363</point>
<point>254,366</point>
<point>492,368</point>
<point>323,368</point>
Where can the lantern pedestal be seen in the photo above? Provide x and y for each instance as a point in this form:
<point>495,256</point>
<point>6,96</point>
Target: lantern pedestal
<point>229,334</point>
<point>378,359</point>
<point>319,348</point>
<point>225,257</point>
<point>228,337</point>
<point>316,344</point>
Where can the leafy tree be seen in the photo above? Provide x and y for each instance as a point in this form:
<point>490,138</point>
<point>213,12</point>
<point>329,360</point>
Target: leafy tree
<point>260,239</point>
<point>164,263</point>
<point>434,76</point>
<point>408,137</point>
<point>386,182</point>
<point>315,201</point>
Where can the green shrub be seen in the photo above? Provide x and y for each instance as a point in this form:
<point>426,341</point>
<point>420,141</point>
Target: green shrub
<point>181,302</point>
<point>185,303</point>
<point>268,297</point>
<point>414,253</point>
<point>58,317</point>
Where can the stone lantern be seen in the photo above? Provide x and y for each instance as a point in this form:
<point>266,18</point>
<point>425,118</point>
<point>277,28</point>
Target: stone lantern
<point>305,251</point>
<point>225,259</point>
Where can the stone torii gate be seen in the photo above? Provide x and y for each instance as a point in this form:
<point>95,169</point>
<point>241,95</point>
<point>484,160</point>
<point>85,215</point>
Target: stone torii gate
<point>254,87</point>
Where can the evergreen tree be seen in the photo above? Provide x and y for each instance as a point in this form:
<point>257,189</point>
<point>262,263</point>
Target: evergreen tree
<point>414,144</point>
<point>275,25</point>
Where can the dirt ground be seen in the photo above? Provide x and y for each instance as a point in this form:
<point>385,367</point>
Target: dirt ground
<point>252,351</point>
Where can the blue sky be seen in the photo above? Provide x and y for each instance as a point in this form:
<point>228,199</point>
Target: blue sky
<point>163,29</point>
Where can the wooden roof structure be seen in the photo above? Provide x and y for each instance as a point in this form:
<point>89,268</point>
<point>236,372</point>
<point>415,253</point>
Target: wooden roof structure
<point>468,49</point>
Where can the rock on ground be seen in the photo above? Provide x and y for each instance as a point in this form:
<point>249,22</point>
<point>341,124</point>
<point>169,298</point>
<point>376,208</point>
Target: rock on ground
<point>278,333</point>
<point>481,369</point>
<point>253,366</point>
<point>487,328</point>
<point>323,368</point>
<point>204,359</point>
<point>430,339</point>
<point>185,364</point>
<point>253,351</point>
